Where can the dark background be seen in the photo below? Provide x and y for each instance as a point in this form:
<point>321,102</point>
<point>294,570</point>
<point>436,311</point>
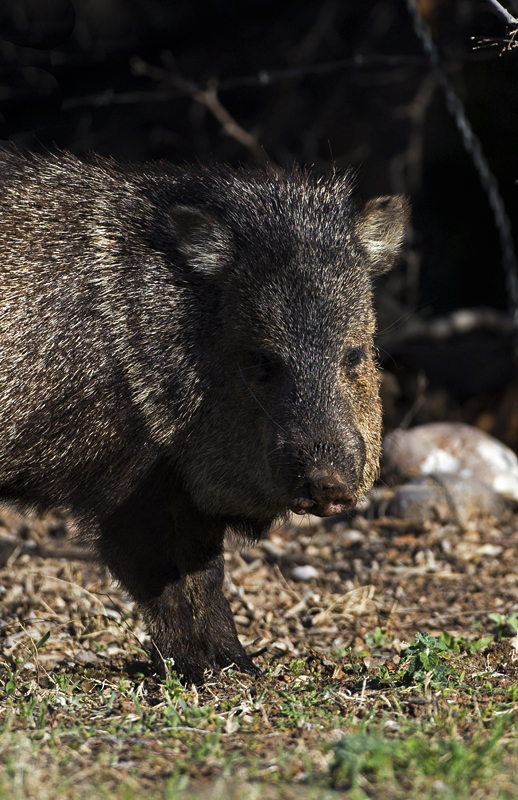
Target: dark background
<point>323,83</point>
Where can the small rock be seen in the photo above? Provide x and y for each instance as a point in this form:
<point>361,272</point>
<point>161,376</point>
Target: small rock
<point>445,497</point>
<point>85,657</point>
<point>470,498</point>
<point>421,499</point>
<point>493,550</point>
<point>304,573</point>
<point>351,537</point>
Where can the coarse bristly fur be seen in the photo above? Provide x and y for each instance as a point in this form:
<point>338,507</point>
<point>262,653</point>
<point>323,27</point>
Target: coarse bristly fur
<point>186,352</point>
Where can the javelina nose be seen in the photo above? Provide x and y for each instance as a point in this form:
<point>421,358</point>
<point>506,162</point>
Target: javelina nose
<point>324,494</point>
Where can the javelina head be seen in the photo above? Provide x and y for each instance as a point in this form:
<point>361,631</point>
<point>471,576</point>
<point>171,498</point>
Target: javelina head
<point>291,418</point>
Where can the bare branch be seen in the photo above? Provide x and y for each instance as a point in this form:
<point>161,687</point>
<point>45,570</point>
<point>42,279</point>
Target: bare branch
<point>181,87</point>
<point>473,146</point>
<point>207,97</point>
<point>509,18</point>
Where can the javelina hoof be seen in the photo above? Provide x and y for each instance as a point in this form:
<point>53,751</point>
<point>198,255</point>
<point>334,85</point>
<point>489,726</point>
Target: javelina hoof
<point>193,667</point>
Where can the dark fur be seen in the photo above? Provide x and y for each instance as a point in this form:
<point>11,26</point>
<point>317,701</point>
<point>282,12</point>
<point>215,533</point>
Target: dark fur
<point>184,352</point>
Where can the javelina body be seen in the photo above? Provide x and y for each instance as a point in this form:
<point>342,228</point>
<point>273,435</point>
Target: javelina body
<point>185,352</point>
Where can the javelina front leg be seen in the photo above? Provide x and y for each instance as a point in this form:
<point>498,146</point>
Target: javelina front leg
<point>171,561</point>
<point>192,622</point>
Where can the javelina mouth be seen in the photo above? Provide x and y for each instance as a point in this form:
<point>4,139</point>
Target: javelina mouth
<point>329,510</point>
<point>323,495</point>
<point>306,506</point>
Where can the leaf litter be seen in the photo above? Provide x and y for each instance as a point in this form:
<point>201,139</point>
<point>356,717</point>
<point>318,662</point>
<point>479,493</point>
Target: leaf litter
<point>354,622</point>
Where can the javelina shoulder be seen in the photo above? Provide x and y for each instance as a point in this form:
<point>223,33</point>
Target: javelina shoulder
<point>184,352</point>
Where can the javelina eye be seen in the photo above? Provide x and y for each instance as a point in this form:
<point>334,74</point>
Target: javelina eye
<point>261,367</point>
<point>353,359</point>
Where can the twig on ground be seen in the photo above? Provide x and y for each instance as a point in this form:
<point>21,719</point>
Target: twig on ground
<point>11,544</point>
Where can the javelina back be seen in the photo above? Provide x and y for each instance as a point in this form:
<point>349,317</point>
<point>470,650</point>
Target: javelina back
<point>185,352</point>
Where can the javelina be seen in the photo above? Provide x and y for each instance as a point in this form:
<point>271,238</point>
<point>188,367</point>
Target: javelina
<point>185,352</point>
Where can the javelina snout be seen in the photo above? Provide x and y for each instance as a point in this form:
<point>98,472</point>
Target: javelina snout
<point>184,352</point>
<point>324,479</point>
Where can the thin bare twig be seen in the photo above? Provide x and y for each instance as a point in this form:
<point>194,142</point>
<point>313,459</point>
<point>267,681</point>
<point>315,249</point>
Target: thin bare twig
<point>324,22</point>
<point>509,18</point>
<point>207,97</point>
<point>503,44</point>
<point>419,401</point>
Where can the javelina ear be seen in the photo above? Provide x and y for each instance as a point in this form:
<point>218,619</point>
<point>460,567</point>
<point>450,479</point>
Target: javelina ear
<point>381,227</point>
<point>203,240</point>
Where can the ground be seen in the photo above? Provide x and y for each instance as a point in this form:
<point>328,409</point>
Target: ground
<point>389,657</point>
